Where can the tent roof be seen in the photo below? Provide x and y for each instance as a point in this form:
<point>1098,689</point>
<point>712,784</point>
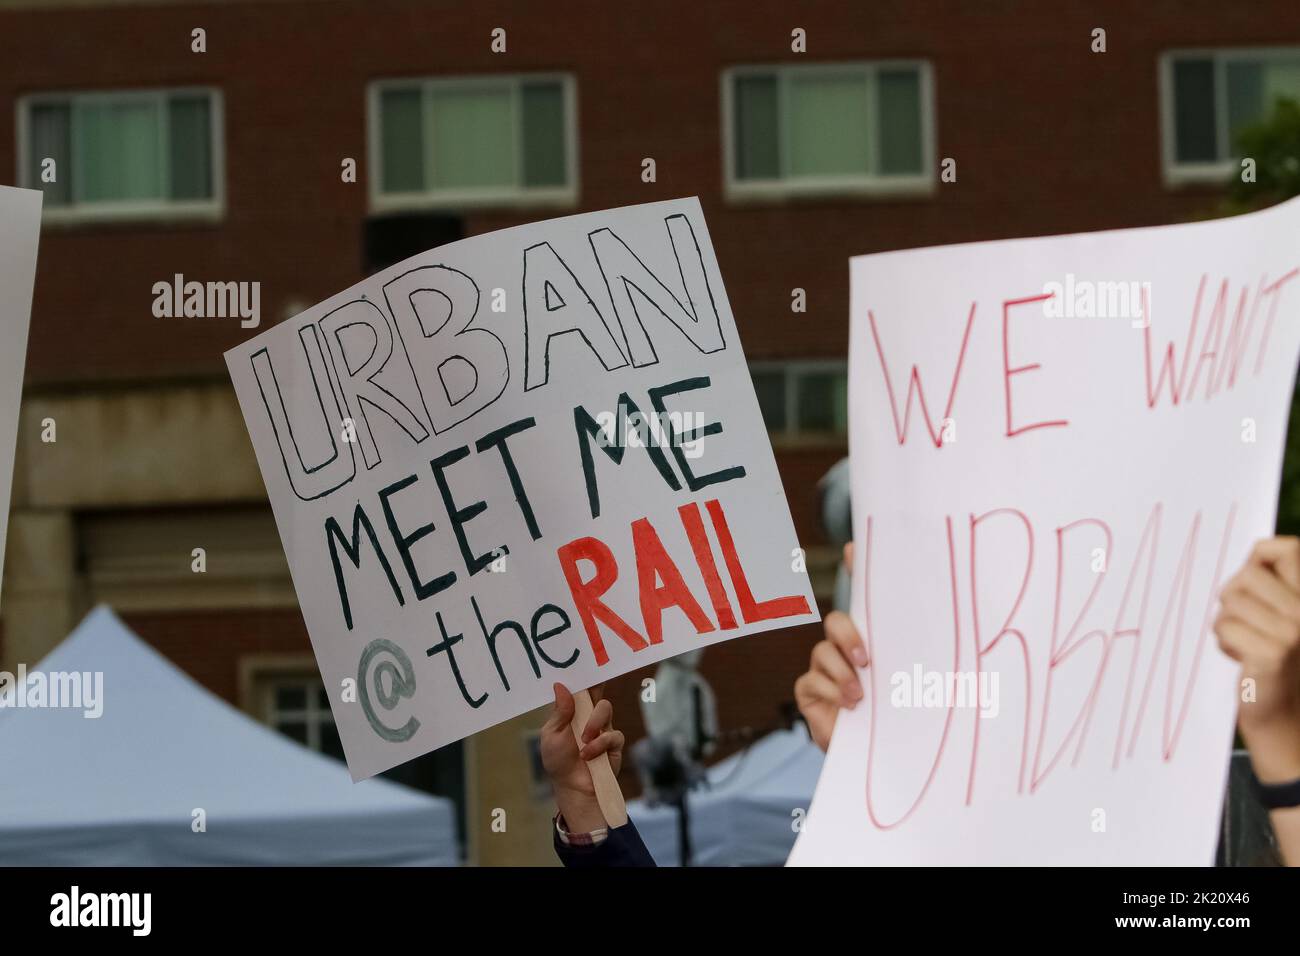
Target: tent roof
<point>778,766</point>
<point>123,787</point>
<point>745,817</point>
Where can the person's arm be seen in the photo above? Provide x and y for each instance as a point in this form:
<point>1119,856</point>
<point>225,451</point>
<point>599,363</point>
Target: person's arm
<point>581,835</point>
<point>1259,626</point>
<point>831,681</point>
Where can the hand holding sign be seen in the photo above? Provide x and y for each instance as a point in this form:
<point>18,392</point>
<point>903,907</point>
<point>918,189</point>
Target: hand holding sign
<point>1061,448</point>
<point>582,754</point>
<point>831,682</point>
<point>1259,627</point>
<point>531,452</point>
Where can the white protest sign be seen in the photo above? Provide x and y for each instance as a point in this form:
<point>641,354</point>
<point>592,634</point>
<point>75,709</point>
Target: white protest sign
<point>526,457</point>
<point>20,229</point>
<point>1061,449</point>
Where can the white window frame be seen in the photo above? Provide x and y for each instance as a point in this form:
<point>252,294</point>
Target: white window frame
<point>792,370</point>
<point>212,209</point>
<point>453,200</point>
<point>871,185</point>
<point>313,715</point>
<point>1182,174</point>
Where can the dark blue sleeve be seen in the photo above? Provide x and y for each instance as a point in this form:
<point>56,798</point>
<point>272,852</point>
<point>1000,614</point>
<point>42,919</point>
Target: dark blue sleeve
<point>623,847</point>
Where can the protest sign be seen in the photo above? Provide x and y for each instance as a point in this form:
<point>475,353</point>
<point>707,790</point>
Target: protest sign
<point>1061,449</point>
<point>20,229</point>
<point>526,457</point>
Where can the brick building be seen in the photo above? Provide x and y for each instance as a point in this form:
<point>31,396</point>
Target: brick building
<point>225,165</point>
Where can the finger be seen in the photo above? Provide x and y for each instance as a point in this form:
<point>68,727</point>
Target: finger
<point>815,689</point>
<point>848,555</point>
<point>601,718</point>
<point>611,742</point>
<point>1283,555</point>
<point>1246,607</point>
<point>1238,639</point>
<point>562,715</point>
<point>841,632</point>
<point>1257,580</point>
<point>827,659</point>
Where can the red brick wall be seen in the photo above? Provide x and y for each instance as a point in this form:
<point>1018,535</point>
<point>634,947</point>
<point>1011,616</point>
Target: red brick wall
<point>208,645</point>
<point>1048,137</point>
<point>800,472</point>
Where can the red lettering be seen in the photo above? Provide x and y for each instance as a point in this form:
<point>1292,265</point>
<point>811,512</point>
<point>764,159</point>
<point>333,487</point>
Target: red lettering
<point>1272,290</point>
<point>1062,650</point>
<point>751,611</point>
<point>652,565</point>
<point>914,385</point>
<point>874,694</point>
<point>1167,366</point>
<point>1008,371</point>
<point>587,594</point>
<point>1217,316</point>
<point>983,650</point>
<point>695,534</point>
<point>1238,333</point>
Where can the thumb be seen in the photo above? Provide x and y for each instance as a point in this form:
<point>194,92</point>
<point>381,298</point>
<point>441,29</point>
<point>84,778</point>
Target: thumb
<point>1282,554</point>
<point>564,708</point>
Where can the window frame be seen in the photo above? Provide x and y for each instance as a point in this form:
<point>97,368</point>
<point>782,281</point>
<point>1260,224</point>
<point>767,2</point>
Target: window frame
<point>492,197</point>
<point>1177,173</point>
<point>791,370</point>
<point>312,716</point>
<point>160,210</point>
<point>261,674</point>
<point>873,185</point>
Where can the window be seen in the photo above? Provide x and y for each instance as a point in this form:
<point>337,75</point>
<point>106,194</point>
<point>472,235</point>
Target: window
<point>802,400</point>
<point>140,154</point>
<point>299,707</point>
<point>1208,96</point>
<point>473,141</point>
<point>859,128</point>
<point>285,691</point>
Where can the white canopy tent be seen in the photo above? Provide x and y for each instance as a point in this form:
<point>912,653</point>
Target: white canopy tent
<point>747,816</point>
<point>122,789</point>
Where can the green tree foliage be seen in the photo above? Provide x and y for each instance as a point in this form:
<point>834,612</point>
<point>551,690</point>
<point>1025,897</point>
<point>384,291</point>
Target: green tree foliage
<point>1274,145</point>
<point>1288,503</point>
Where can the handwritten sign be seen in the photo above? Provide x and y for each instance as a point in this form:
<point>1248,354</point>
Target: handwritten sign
<point>20,228</point>
<point>527,457</point>
<point>1061,449</point>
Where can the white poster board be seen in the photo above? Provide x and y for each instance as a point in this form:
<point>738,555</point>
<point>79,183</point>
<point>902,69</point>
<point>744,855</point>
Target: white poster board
<point>20,230</point>
<point>460,534</point>
<point>1061,448</point>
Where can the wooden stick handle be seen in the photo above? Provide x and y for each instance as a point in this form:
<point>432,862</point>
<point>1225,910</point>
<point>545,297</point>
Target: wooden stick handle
<point>608,794</point>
